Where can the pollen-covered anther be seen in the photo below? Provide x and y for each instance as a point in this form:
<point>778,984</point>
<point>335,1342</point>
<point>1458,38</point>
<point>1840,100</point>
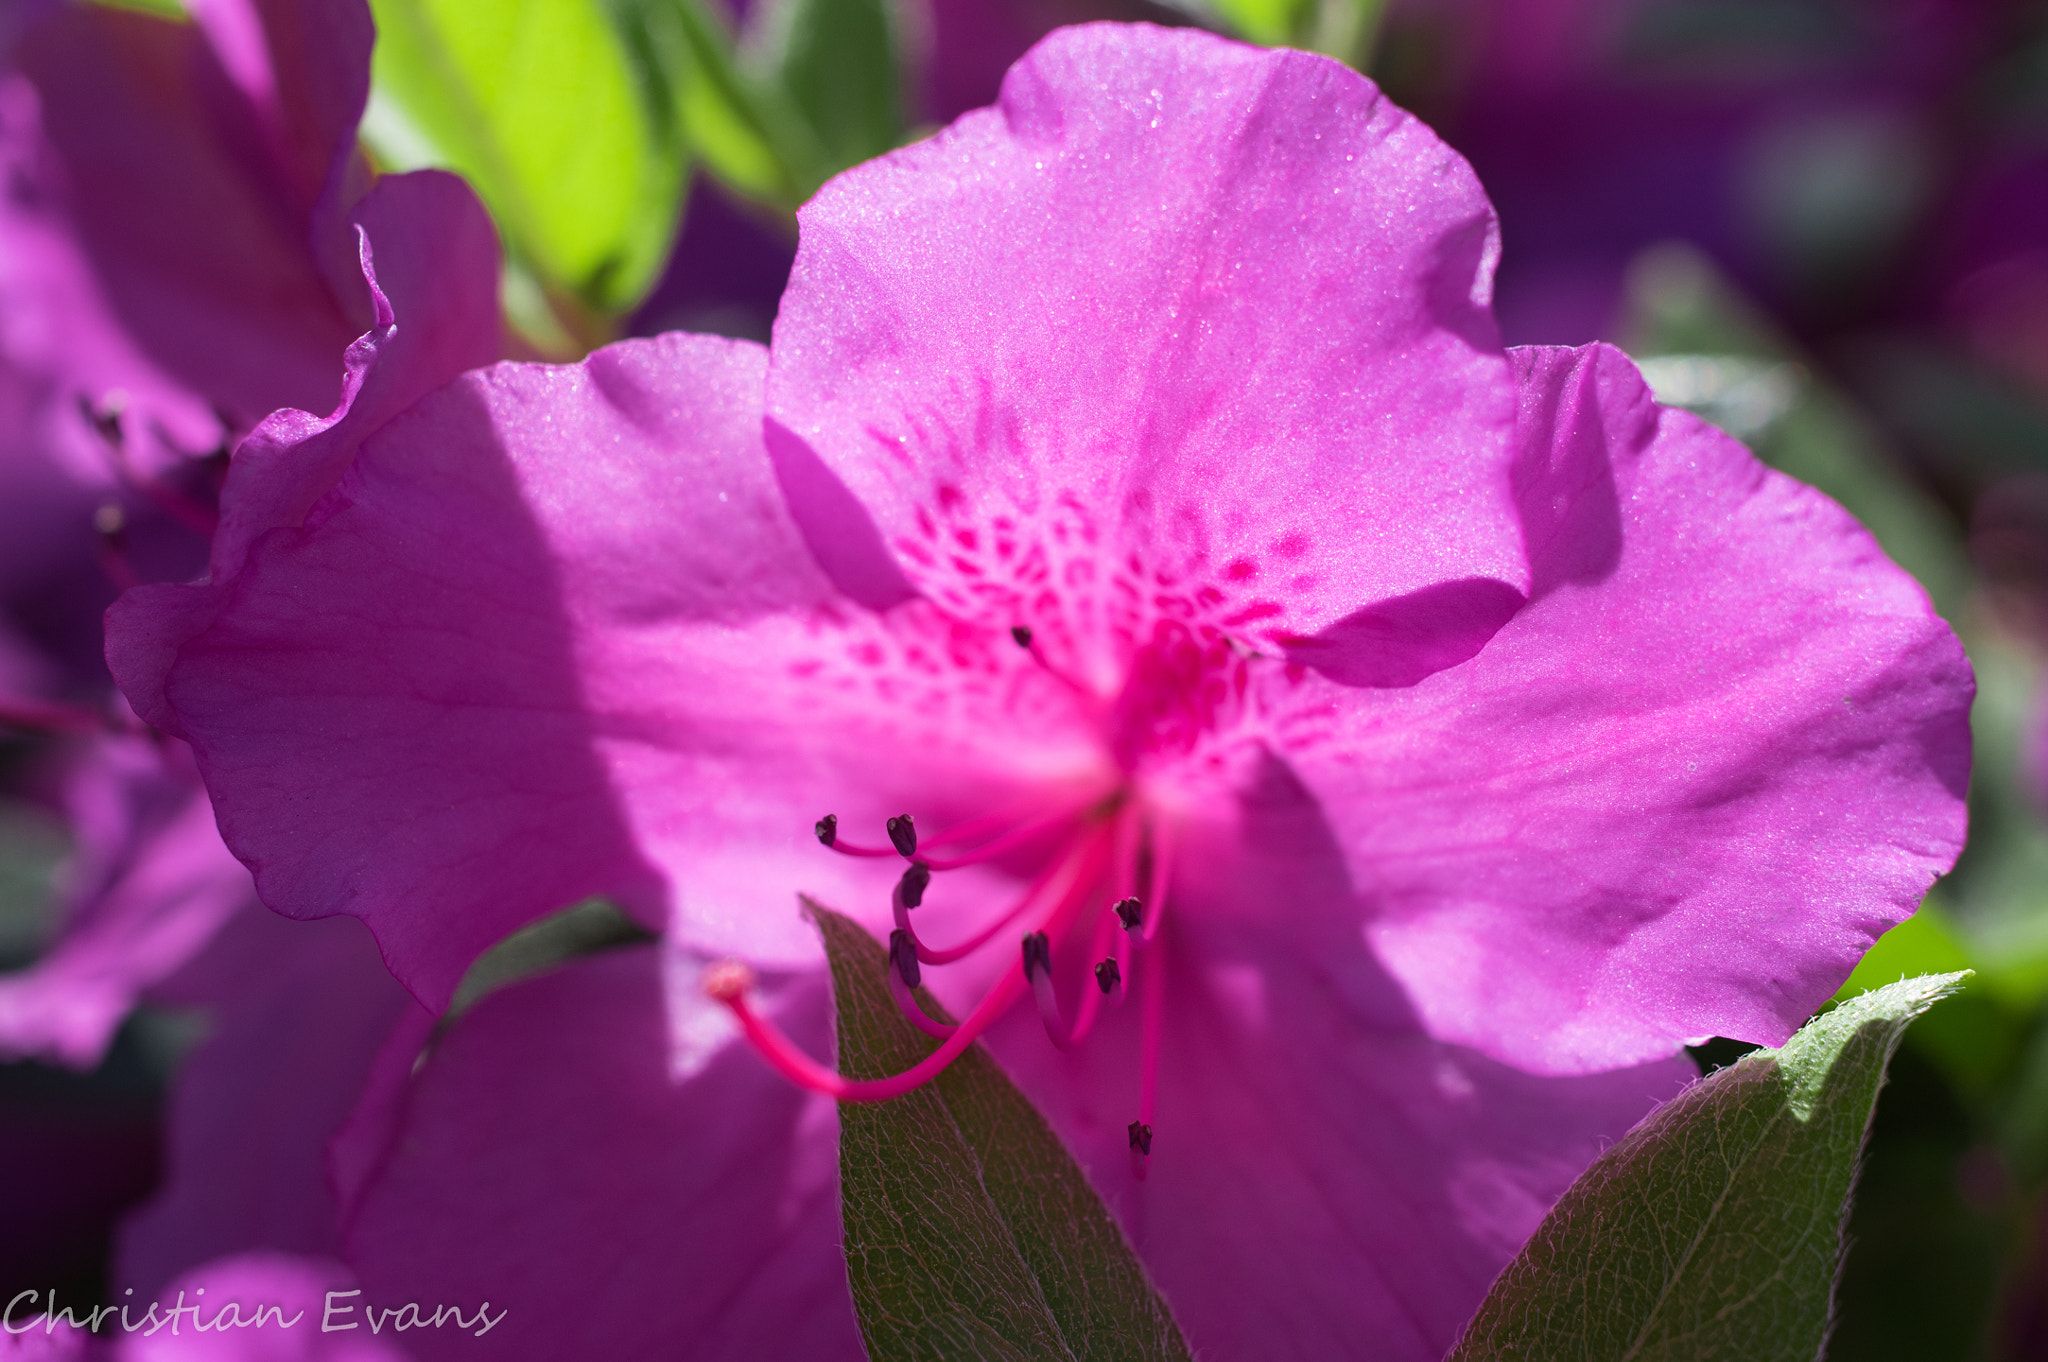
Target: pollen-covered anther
<point>1037,955</point>
<point>1130,912</point>
<point>1108,977</point>
<point>827,829</point>
<point>104,416</point>
<point>1141,1150</point>
<point>903,957</point>
<point>903,835</point>
<point>1021,634</point>
<point>910,889</point>
<point>727,981</point>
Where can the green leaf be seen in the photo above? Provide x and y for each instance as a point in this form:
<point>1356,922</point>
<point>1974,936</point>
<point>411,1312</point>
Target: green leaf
<point>538,105</point>
<point>748,132</point>
<point>1703,346</point>
<point>1713,1229</point>
<point>579,930</point>
<point>838,61</point>
<point>970,1232</point>
<point>162,9</point>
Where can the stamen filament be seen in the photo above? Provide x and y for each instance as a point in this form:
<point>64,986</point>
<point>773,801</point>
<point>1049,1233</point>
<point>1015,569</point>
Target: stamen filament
<point>105,418</point>
<point>1152,991</point>
<point>1152,1016</point>
<point>848,849</point>
<point>1092,993</point>
<point>1037,653</point>
<point>1049,1010</point>
<point>39,717</point>
<point>1059,865</point>
<point>907,1000</point>
<point>1019,834</point>
<point>1155,888</point>
<point>827,830</point>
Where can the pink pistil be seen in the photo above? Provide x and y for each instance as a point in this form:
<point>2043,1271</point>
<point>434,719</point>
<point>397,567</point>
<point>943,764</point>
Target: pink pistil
<point>729,982</point>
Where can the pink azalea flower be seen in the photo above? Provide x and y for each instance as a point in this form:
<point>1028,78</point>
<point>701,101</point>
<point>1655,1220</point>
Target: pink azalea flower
<point>1136,495</point>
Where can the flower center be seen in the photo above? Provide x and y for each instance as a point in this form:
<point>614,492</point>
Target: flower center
<point>1101,896</point>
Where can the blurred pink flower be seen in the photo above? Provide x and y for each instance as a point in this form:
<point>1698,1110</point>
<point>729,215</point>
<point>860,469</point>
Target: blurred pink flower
<point>180,212</point>
<point>1136,494</point>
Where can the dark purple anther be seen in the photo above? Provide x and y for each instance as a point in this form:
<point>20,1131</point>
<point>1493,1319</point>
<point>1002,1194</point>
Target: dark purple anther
<point>104,416</point>
<point>1037,954</point>
<point>903,835</point>
<point>911,887</point>
<point>1108,976</point>
<point>1141,1138</point>
<point>1021,634</point>
<point>1130,912</point>
<point>828,829</point>
<point>903,957</point>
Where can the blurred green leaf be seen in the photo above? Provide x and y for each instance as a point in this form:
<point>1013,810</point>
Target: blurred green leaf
<point>582,929</point>
<point>742,123</point>
<point>970,1232</point>
<point>1931,1226</point>
<point>537,104</point>
<point>1704,347</point>
<point>1924,943</point>
<point>1713,1229</point>
<point>1344,29</point>
<point>839,61</point>
<point>162,9</point>
<point>33,845</point>
<point>1976,1039</point>
<point>1269,22</point>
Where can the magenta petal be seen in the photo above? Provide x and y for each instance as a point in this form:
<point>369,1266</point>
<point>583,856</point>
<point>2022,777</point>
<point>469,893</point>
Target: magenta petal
<point>1682,791</point>
<point>65,338</point>
<point>553,636</point>
<point>1179,326</point>
<point>147,887</point>
<point>304,68</point>
<point>296,1014</point>
<point>554,1159</point>
<point>390,707</point>
<point>1327,1180</point>
<point>431,258</point>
